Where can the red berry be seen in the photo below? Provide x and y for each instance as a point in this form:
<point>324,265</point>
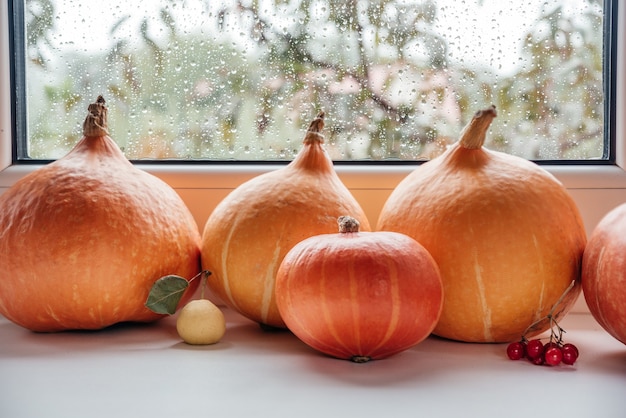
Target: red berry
<point>534,349</point>
<point>553,356</point>
<point>572,347</point>
<point>550,344</point>
<point>570,353</point>
<point>537,360</point>
<point>515,350</point>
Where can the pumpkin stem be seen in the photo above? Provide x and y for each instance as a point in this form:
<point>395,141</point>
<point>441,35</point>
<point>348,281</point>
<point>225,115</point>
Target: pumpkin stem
<point>473,135</point>
<point>95,123</point>
<point>315,127</point>
<point>347,224</point>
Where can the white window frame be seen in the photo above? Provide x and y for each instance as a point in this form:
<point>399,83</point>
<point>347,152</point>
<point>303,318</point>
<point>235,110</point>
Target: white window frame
<point>596,188</point>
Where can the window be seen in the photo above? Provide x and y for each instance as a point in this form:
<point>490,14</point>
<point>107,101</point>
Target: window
<point>240,80</point>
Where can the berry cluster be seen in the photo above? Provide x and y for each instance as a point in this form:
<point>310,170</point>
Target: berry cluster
<point>554,352</point>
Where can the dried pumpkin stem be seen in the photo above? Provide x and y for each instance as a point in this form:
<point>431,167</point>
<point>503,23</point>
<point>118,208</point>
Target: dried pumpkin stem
<point>96,123</point>
<point>347,224</point>
<point>315,127</point>
<point>473,135</point>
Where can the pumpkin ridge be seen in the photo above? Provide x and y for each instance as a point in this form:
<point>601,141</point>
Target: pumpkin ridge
<point>330,325</point>
<point>355,311</point>
<point>268,289</point>
<point>598,303</point>
<point>541,268</point>
<point>482,297</point>
<point>396,303</point>
<point>224,261</point>
<point>307,335</point>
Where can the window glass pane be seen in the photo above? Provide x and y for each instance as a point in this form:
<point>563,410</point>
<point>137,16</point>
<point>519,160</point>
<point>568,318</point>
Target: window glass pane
<point>398,79</point>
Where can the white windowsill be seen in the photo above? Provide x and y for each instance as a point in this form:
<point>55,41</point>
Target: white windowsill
<point>146,371</point>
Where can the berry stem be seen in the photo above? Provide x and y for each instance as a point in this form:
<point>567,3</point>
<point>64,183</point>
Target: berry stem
<point>550,317</point>
<point>558,302</point>
<point>554,337</point>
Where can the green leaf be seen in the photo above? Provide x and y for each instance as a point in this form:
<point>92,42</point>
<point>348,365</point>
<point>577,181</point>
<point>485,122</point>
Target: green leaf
<point>166,293</point>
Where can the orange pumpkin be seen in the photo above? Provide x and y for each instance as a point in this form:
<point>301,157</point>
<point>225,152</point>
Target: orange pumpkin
<point>604,273</point>
<point>83,239</point>
<point>359,295</point>
<point>249,232</point>
<point>507,236</point>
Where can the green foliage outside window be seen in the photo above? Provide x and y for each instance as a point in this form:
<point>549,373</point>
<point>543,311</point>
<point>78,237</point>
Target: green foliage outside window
<point>240,80</point>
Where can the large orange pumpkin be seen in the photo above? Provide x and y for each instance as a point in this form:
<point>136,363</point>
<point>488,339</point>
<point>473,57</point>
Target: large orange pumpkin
<point>83,239</point>
<point>249,232</point>
<point>359,295</point>
<point>507,236</point>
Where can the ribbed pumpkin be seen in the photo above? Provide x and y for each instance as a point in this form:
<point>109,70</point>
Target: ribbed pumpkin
<point>359,296</point>
<point>249,232</point>
<point>83,239</point>
<point>507,236</point>
<point>604,273</point>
